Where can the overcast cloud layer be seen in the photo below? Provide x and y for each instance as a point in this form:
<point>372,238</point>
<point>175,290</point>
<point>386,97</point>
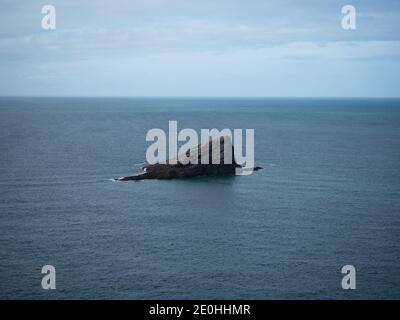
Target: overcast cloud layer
<point>200,48</point>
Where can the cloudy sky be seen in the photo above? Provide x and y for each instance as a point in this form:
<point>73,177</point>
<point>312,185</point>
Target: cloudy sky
<point>278,48</point>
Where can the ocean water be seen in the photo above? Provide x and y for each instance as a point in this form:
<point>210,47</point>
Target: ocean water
<point>328,196</point>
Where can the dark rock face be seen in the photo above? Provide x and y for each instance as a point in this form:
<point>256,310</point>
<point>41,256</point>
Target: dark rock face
<point>166,171</point>
<point>177,169</point>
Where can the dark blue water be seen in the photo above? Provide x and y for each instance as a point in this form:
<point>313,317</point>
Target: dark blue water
<point>329,196</point>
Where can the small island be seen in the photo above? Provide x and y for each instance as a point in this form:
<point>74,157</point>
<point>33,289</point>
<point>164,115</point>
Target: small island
<point>175,169</point>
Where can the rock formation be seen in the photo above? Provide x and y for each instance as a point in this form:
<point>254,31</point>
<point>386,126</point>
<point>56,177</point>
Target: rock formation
<point>188,168</point>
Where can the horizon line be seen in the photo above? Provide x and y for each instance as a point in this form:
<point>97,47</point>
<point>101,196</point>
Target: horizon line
<point>199,97</point>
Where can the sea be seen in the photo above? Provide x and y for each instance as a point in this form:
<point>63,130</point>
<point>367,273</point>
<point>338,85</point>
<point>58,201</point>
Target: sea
<point>328,196</point>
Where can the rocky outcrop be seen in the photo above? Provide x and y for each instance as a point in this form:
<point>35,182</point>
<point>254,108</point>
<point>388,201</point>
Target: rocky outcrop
<point>174,169</point>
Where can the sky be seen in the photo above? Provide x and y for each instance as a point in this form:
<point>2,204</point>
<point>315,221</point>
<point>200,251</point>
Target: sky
<point>247,48</point>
